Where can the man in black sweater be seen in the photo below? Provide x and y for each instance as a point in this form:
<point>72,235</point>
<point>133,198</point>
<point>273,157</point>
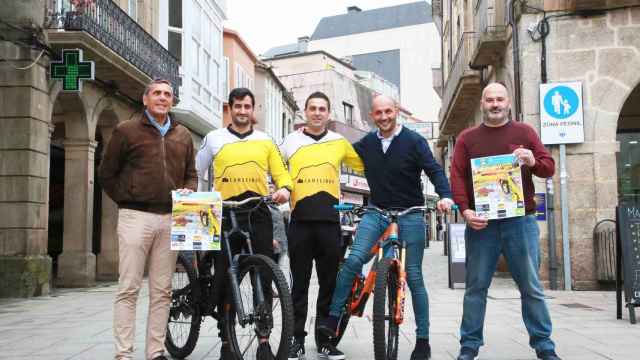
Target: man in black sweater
<point>394,158</point>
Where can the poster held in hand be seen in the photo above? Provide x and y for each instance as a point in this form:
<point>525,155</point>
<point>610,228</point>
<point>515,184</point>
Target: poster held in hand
<point>196,221</point>
<point>497,186</point>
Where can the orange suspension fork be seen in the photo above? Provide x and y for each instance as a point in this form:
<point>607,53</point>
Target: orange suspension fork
<point>402,279</point>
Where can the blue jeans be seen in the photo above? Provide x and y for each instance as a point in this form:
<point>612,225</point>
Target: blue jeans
<point>371,227</point>
<point>516,238</point>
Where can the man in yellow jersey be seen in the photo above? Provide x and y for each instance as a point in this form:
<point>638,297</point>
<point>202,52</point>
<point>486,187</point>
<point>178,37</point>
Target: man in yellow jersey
<point>242,157</point>
<point>315,155</point>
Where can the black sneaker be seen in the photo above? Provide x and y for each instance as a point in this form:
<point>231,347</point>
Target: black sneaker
<point>296,350</point>
<point>467,354</point>
<point>264,352</point>
<point>422,351</point>
<point>547,355</point>
<point>328,351</point>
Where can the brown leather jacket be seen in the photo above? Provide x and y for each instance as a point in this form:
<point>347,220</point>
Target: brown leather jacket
<point>140,167</point>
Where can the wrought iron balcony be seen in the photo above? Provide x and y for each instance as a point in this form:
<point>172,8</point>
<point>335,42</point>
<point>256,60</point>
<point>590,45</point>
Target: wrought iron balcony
<point>491,24</point>
<point>123,52</point>
<point>462,89</point>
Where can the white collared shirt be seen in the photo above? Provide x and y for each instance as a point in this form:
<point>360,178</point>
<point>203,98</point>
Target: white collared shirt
<point>387,141</point>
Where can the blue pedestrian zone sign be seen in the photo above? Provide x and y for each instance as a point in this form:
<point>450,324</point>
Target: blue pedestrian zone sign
<point>561,117</point>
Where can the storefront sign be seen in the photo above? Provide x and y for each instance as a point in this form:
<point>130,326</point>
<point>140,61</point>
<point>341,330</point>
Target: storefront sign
<point>358,182</point>
<point>351,198</point>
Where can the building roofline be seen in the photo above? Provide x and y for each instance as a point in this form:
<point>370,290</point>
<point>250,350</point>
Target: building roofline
<point>242,43</point>
<point>316,52</point>
<point>287,96</point>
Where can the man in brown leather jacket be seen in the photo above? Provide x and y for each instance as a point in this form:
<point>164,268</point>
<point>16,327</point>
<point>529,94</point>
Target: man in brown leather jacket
<point>145,160</point>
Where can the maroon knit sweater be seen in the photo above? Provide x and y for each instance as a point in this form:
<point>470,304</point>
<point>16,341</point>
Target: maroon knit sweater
<point>481,141</point>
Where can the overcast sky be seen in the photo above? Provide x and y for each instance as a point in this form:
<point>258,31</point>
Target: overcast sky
<point>264,24</point>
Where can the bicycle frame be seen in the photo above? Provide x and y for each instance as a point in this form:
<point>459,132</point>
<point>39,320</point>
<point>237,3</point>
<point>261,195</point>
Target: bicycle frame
<point>388,237</point>
<point>234,261</point>
<point>203,264</point>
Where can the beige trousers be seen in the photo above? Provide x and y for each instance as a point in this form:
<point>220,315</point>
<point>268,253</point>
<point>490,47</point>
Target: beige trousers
<point>143,236</point>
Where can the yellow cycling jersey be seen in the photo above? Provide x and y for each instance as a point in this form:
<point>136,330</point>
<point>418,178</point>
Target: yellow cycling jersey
<point>241,163</point>
<point>314,164</point>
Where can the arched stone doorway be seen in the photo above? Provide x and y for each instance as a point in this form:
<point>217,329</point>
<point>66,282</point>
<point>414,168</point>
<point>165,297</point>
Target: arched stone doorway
<point>628,159</point>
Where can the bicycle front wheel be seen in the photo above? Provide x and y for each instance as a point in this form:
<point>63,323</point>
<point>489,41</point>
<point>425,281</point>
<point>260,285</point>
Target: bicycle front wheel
<point>183,326</point>
<point>270,320</point>
<point>385,328</point>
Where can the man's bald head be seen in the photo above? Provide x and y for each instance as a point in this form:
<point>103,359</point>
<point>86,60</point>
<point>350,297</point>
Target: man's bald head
<point>384,111</point>
<point>382,100</point>
<point>496,87</point>
<point>495,104</point>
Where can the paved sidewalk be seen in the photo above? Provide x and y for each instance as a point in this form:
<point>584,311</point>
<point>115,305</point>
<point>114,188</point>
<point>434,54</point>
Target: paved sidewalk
<point>76,324</point>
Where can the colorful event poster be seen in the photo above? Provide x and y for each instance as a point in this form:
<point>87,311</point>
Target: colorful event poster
<point>497,186</point>
<point>196,221</point>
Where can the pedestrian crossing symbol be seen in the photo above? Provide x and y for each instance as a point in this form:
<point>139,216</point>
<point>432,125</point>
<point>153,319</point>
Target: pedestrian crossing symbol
<point>561,118</point>
<point>71,70</point>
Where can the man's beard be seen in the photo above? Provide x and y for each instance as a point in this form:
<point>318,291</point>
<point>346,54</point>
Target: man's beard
<point>241,122</point>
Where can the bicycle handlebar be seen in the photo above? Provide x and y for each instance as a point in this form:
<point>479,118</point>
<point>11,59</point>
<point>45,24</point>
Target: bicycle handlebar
<point>350,207</point>
<point>235,204</point>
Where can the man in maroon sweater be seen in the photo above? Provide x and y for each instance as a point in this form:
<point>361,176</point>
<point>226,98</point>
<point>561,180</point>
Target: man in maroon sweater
<point>516,238</point>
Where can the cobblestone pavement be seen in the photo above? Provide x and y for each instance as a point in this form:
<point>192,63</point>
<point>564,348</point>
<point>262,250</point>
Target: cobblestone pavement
<point>76,324</point>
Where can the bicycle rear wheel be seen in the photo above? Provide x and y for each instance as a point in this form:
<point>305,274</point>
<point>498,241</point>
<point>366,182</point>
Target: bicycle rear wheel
<point>385,329</point>
<point>273,319</point>
<point>183,327</point>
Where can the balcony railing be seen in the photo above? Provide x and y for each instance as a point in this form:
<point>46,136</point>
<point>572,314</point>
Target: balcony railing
<point>460,67</point>
<point>491,25</point>
<point>108,23</point>
<point>461,89</point>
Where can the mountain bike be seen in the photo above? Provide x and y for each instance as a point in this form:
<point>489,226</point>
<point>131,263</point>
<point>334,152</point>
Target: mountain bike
<point>387,281</point>
<point>261,304</point>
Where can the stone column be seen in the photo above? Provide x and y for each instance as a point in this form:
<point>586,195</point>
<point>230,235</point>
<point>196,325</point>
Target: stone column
<point>108,258</point>
<point>25,115</point>
<point>77,264</point>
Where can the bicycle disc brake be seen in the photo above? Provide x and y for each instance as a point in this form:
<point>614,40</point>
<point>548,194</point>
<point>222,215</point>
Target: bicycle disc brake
<point>263,320</point>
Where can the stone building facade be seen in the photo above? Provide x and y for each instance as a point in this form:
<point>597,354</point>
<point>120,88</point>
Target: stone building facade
<point>57,227</point>
<point>595,42</point>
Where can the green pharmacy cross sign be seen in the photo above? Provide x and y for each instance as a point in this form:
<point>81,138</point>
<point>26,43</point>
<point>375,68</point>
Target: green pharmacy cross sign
<point>72,69</point>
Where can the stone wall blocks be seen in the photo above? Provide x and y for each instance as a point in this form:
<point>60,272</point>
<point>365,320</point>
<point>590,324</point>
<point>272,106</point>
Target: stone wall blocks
<point>24,162</point>
<point>628,36</point>
<point>21,188</point>
<point>583,266</point>
<point>24,133</point>
<point>606,194</point>
<point>23,215</point>
<point>34,77</point>
<point>571,64</point>
<point>620,64</point>
<point>581,195</point>
<point>566,36</point>
<point>580,167</point>
<point>25,102</point>
<point>605,166</point>
<point>608,94</point>
<point>635,15</point>
<point>618,17</point>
